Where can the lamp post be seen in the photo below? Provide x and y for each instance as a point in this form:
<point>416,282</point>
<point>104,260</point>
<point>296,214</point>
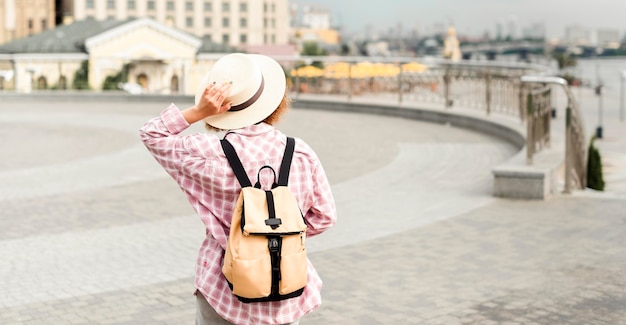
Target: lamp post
<point>599,89</point>
<point>621,101</point>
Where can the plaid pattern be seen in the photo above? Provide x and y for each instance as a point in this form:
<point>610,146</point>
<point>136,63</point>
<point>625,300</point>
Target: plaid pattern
<point>199,166</point>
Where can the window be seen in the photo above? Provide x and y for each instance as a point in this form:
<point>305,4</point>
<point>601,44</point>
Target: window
<point>273,39</point>
<point>189,22</point>
<point>273,23</point>
<point>243,7</point>
<point>243,38</point>
<point>30,24</point>
<point>169,5</point>
<point>265,22</point>
<point>264,7</point>
<point>62,82</point>
<point>130,5</point>
<point>209,37</point>
<point>243,22</point>
<point>225,22</point>
<point>264,38</point>
<point>225,6</point>
<point>225,39</point>
<point>273,7</point>
<point>189,6</point>
<point>207,22</point>
<point>44,24</point>
<point>208,6</point>
<point>42,83</point>
<point>151,5</point>
<point>110,4</point>
<point>89,4</point>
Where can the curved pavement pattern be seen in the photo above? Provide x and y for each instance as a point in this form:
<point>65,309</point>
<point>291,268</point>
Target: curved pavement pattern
<point>107,238</point>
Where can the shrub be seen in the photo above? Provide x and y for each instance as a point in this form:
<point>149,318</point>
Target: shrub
<point>594,168</point>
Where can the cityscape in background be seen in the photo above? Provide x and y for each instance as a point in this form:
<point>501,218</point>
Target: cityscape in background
<point>85,44</point>
<point>283,23</point>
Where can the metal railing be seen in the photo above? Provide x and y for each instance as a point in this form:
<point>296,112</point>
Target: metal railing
<point>575,140</point>
<point>539,108</point>
<point>493,87</point>
<point>513,89</point>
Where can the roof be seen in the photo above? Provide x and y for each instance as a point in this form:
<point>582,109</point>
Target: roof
<point>208,46</point>
<point>72,38</point>
<point>62,39</point>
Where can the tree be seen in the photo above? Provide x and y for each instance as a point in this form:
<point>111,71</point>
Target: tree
<point>112,82</point>
<point>312,49</point>
<point>81,76</point>
<point>565,60</point>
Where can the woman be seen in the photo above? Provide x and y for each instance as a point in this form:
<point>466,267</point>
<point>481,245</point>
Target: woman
<point>244,94</point>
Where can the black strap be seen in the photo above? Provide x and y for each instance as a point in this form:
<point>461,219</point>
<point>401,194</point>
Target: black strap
<point>275,245</point>
<point>240,172</point>
<point>285,165</point>
<point>235,163</point>
<point>272,221</point>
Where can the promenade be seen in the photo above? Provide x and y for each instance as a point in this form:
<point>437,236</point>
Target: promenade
<point>92,231</point>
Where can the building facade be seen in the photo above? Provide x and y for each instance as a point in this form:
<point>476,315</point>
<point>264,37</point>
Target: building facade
<point>153,57</point>
<point>21,18</point>
<point>233,22</point>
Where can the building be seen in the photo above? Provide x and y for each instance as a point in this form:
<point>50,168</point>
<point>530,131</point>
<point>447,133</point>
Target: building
<point>535,31</point>
<point>313,23</point>
<point>155,57</point>
<point>608,37</point>
<point>577,35</point>
<point>21,18</point>
<point>237,23</point>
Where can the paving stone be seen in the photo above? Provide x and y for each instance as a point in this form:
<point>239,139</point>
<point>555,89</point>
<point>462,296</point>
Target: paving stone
<point>454,255</point>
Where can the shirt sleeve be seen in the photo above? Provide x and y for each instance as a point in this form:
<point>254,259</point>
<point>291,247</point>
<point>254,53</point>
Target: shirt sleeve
<point>323,213</point>
<point>160,136</point>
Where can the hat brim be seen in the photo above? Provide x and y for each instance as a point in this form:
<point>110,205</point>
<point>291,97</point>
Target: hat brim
<point>264,106</point>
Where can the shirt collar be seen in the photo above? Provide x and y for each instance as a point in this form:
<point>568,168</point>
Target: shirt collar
<point>256,129</point>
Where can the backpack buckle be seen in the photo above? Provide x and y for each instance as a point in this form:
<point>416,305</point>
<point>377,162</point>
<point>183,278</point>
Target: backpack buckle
<point>273,244</point>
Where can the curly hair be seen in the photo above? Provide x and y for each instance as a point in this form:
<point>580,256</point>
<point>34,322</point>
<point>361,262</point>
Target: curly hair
<point>271,120</point>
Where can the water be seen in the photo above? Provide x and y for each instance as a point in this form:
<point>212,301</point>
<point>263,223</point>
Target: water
<point>606,71</point>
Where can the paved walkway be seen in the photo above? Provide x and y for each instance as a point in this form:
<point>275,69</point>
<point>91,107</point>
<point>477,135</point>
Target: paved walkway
<point>93,232</point>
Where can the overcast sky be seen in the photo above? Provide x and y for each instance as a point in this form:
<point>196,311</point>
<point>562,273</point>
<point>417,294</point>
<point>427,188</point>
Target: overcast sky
<point>474,17</point>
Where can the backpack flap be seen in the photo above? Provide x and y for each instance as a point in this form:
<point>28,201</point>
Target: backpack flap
<point>258,219</point>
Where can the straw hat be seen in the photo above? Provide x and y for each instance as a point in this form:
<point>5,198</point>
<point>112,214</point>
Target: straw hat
<point>258,87</point>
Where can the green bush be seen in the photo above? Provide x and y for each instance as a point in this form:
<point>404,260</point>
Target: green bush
<point>594,168</point>
<point>112,82</point>
<point>81,77</point>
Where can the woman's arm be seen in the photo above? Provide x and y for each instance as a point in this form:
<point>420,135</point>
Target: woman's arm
<point>160,134</point>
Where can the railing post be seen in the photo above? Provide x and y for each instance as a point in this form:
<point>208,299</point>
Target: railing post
<point>349,81</point>
<point>530,134</point>
<point>400,84</point>
<point>297,85</point>
<point>568,150</point>
<point>446,88</point>
<point>488,92</point>
<point>522,111</point>
<point>621,98</point>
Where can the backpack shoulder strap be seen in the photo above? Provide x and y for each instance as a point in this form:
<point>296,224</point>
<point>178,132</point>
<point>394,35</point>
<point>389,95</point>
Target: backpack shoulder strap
<point>285,165</point>
<point>235,163</point>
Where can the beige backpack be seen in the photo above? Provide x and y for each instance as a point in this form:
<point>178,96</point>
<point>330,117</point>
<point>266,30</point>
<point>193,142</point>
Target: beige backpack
<point>265,258</point>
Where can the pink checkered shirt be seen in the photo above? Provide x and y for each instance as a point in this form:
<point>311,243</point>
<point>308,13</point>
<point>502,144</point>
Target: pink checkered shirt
<point>199,166</point>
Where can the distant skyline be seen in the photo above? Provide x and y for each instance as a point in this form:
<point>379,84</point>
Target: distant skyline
<point>475,17</point>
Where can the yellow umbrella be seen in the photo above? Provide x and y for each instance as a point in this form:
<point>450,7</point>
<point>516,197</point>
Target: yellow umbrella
<point>337,70</point>
<point>414,67</point>
<point>307,71</point>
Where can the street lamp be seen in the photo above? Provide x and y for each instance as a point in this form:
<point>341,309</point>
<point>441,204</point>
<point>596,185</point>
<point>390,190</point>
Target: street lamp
<point>621,102</point>
<point>599,89</point>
